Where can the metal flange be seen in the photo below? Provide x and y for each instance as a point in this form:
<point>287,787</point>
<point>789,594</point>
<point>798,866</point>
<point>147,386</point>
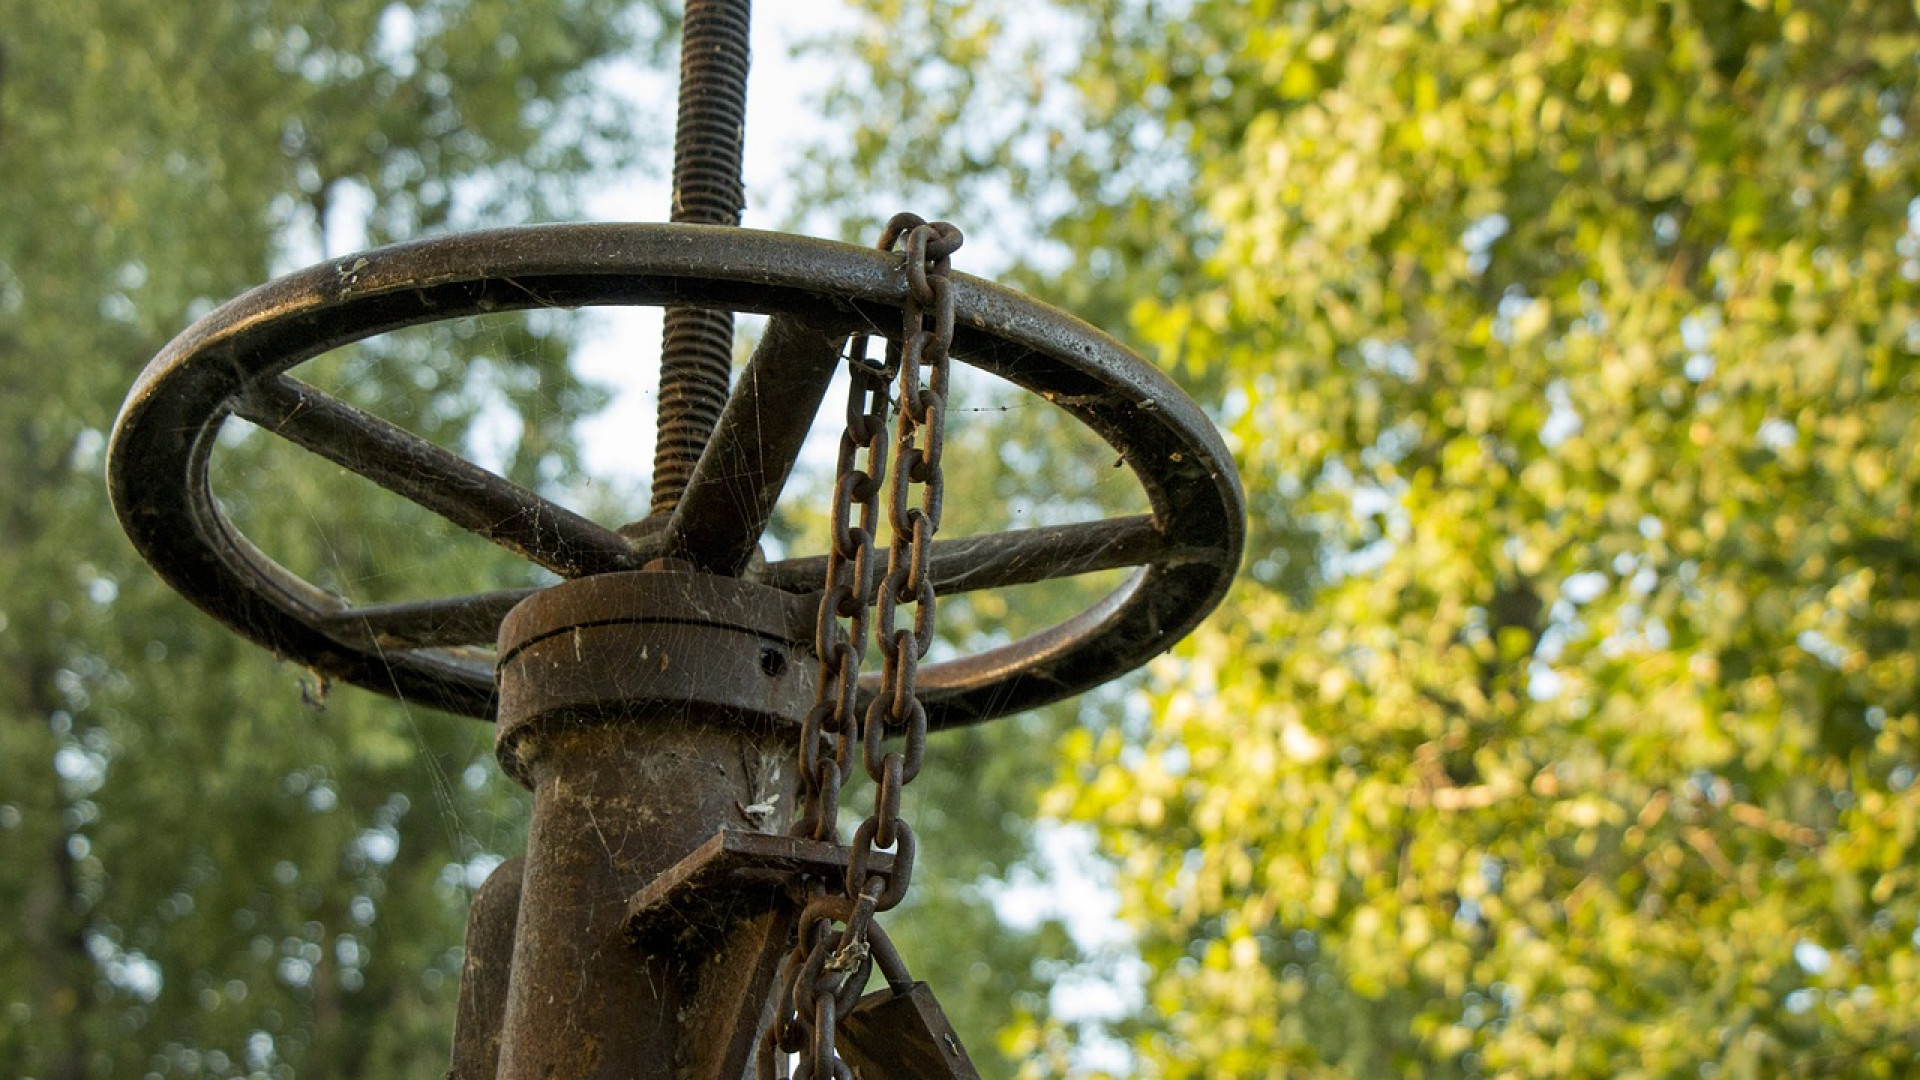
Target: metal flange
<point>617,647</point>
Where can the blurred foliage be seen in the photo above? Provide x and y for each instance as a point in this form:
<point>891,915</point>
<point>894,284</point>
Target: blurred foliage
<point>1565,721</point>
<point>203,875</point>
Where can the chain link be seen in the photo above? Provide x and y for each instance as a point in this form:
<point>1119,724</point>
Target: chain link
<point>832,958</point>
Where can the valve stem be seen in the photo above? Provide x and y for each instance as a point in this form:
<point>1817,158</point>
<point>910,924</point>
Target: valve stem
<point>696,351</point>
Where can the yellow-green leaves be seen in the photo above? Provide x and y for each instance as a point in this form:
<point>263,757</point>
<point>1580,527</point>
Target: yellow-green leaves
<point>1567,722</point>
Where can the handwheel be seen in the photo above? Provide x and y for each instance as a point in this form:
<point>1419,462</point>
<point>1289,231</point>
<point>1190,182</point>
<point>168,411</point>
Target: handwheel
<point>234,362</point>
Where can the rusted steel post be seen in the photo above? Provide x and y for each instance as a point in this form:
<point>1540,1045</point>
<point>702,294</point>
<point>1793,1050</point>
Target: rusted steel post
<point>646,711</point>
<point>483,975</point>
<point>696,351</point>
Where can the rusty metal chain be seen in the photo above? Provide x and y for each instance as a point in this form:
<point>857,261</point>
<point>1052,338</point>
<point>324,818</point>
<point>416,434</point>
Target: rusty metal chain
<point>832,956</point>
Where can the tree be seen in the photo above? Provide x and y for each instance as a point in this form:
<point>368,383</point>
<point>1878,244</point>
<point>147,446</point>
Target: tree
<point>1565,722</point>
<point>205,875</point>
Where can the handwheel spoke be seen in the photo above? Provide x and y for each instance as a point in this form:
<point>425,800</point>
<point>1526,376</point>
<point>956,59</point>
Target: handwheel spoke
<point>426,624</point>
<point>729,500</point>
<point>445,483</point>
<point>1023,556</point>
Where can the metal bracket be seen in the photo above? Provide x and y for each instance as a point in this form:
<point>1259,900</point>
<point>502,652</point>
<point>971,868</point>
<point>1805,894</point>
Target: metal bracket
<point>903,1032</point>
<point>732,877</point>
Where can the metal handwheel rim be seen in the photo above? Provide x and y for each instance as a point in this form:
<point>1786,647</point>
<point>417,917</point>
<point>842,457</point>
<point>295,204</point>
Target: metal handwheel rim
<point>167,429</point>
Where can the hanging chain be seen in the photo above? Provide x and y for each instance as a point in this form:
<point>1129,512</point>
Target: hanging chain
<point>832,957</point>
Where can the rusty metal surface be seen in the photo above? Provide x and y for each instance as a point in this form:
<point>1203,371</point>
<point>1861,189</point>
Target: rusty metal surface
<point>616,803</point>
<point>636,759</point>
<point>719,519</point>
<point>423,624</point>
<point>1019,556</point>
<point>902,1031</point>
<point>958,564</point>
<point>484,973</point>
<point>731,1005</point>
<point>831,958</point>
<point>735,875</point>
<point>696,363</point>
<point>463,493</point>
<point>618,645</point>
<point>638,748</point>
<point>696,344</point>
<point>157,464</point>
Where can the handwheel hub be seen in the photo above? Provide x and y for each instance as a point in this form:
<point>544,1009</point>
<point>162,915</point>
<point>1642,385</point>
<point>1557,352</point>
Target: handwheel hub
<point>612,647</point>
